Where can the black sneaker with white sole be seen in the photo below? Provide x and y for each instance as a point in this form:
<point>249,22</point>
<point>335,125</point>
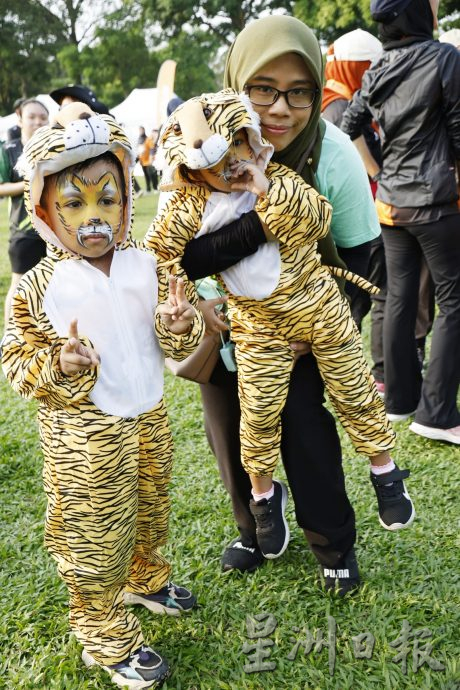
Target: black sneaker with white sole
<point>144,668</point>
<point>396,510</point>
<point>272,529</point>
<point>344,578</point>
<point>242,555</point>
<point>170,599</point>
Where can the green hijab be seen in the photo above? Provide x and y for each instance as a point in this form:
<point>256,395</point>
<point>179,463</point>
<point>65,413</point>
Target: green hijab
<point>260,42</point>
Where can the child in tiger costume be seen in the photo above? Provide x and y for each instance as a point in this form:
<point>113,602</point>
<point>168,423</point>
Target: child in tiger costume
<point>103,425</point>
<point>219,168</point>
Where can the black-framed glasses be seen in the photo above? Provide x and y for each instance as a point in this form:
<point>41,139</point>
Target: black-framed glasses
<point>267,95</point>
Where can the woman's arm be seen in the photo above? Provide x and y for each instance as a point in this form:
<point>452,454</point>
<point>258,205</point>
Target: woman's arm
<point>223,248</point>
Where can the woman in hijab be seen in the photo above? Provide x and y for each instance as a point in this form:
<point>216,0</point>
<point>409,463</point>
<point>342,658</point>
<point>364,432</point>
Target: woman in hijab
<point>413,93</point>
<point>281,56</point>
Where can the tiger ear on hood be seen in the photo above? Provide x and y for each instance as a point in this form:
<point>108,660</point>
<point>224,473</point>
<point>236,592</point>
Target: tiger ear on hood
<point>71,112</point>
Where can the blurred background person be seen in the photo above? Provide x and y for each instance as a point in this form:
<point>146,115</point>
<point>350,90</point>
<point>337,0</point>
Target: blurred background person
<point>77,92</point>
<point>26,247</point>
<point>413,93</point>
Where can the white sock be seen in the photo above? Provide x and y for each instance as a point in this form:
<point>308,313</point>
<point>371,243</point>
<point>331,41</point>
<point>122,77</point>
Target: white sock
<point>383,469</point>
<point>268,494</point>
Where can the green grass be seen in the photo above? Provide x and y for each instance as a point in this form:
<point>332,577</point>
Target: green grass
<point>411,575</point>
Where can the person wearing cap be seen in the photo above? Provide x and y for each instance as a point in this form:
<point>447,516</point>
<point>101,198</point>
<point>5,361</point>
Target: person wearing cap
<point>413,93</point>
<point>79,93</point>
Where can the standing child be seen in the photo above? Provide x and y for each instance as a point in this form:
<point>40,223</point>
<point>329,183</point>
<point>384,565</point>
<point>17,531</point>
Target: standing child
<point>280,294</point>
<point>103,425</point>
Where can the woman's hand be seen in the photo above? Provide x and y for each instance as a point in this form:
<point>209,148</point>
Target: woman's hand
<point>248,178</point>
<point>176,313</point>
<point>213,319</point>
<point>300,348</point>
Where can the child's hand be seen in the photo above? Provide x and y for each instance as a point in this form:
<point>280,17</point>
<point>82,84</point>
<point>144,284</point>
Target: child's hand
<point>177,313</point>
<point>75,356</point>
<point>250,178</point>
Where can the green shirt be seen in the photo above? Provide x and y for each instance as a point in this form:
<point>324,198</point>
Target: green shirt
<point>9,154</point>
<point>342,179</point>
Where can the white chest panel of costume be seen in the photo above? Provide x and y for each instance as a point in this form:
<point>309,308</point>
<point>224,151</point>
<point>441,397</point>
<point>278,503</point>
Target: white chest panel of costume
<point>116,313</point>
<point>255,276</point>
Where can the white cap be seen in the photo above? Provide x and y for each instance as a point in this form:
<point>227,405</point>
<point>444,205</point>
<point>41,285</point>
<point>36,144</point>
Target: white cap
<point>451,36</point>
<point>357,45</point>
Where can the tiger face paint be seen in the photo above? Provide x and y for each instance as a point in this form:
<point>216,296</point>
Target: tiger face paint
<point>219,177</point>
<point>85,210</point>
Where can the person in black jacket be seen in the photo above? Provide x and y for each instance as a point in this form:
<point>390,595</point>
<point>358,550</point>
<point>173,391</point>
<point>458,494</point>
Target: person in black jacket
<point>413,93</point>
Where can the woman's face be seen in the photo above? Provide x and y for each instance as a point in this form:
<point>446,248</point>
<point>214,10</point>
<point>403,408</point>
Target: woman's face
<point>280,123</point>
<point>33,115</point>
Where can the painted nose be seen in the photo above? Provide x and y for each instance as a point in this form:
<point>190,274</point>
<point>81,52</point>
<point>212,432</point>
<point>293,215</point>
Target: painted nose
<point>94,221</point>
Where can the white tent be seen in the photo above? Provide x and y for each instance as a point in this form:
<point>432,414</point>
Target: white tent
<point>11,120</point>
<point>138,109</point>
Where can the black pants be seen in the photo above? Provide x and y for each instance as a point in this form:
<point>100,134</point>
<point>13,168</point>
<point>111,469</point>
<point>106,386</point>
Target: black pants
<point>151,177</point>
<point>434,398</point>
<point>311,456</point>
<point>368,261</point>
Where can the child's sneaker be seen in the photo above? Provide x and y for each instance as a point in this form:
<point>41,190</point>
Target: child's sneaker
<point>344,577</point>
<point>170,599</point>
<point>144,668</point>
<point>245,557</point>
<point>271,527</point>
<point>396,509</point>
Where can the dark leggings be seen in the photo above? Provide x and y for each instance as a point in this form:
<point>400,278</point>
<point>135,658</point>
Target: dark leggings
<point>434,396</point>
<point>311,456</point>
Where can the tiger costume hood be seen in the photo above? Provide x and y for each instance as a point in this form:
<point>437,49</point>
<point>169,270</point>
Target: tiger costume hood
<point>76,134</point>
<point>200,132</point>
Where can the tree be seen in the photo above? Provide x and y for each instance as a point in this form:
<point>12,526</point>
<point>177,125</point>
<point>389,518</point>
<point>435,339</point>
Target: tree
<point>31,36</point>
<point>197,67</point>
<point>223,20</point>
<point>119,59</point>
<point>331,19</point>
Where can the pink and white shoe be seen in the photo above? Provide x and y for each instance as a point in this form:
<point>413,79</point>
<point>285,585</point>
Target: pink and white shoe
<point>449,435</point>
<point>380,388</point>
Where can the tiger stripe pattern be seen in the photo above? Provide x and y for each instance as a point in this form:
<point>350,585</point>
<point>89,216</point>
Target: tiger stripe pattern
<point>106,477</point>
<point>107,467</point>
<point>306,305</point>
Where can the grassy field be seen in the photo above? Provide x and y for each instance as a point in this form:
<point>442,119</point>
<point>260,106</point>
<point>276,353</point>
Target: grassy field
<point>408,576</point>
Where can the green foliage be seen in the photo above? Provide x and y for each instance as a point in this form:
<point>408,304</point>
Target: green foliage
<point>119,60</point>
<point>333,18</point>
<point>196,55</point>
<point>224,20</point>
<point>30,36</point>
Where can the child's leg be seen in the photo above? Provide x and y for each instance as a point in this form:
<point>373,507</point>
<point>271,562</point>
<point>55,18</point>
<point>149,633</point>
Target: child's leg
<point>148,583</point>
<point>264,369</point>
<point>90,477</point>
<point>338,350</point>
<point>149,570</point>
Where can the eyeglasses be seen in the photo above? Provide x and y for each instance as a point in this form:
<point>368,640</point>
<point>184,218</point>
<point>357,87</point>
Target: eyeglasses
<point>267,95</point>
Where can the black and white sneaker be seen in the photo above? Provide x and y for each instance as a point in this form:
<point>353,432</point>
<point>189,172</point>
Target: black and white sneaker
<point>144,668</point>
<point>170,599</point>
<point>396,510</point>
<point>242,557</point>
<point>272,530</point>
<point>344,578</point>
